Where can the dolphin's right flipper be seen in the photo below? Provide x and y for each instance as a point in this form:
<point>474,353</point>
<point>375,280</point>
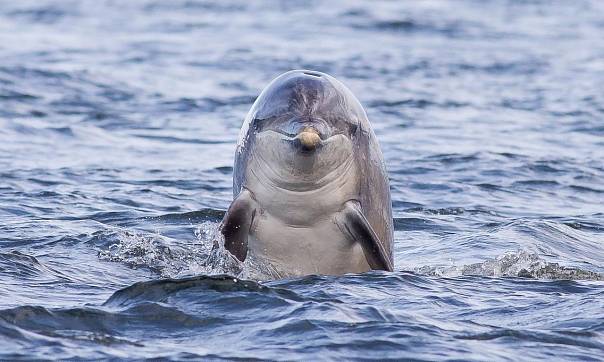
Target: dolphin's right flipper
<point>236,224</point>
<point>352,221</point>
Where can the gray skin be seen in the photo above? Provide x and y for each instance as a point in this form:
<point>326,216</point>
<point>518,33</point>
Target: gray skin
<point>311,192</point>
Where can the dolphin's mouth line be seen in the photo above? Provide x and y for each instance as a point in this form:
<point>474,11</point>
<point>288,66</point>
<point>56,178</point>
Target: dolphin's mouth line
<point>287,166</point>
<point>291,137</point>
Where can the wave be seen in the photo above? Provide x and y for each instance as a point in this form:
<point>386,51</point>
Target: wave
<point>159,290</point>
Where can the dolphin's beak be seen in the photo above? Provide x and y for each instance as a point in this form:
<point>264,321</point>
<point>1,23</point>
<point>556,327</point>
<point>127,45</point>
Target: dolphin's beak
<point>309,138</point>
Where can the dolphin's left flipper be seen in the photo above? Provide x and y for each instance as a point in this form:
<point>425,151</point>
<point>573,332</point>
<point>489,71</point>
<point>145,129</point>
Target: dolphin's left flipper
<point>236,224</point>
<point>352,221</point>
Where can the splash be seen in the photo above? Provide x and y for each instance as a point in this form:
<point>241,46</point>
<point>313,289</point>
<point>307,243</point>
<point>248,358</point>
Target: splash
<point>168,257</point>
<point>206,255</point>
<point>521,263</point>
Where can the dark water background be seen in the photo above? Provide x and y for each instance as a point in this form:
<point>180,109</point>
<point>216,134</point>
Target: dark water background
<point>118,122</point>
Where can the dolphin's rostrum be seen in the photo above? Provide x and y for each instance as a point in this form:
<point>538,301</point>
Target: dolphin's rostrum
<point>311,193</point>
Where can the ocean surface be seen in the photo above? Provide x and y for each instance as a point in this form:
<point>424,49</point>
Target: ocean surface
<point>118,124</point>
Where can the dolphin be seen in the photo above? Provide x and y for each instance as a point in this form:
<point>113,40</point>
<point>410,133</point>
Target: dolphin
<point>311,192</point>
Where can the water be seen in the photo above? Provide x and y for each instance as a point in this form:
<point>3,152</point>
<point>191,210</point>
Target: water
<point>118,123</point>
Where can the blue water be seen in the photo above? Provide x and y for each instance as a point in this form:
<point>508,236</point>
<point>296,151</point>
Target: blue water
<point>118,123</point>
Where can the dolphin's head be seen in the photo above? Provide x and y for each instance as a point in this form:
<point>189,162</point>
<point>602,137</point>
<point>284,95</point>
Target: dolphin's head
<point>302,130</point>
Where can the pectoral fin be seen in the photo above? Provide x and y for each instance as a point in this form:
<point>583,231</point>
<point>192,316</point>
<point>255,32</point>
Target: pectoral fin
<point>352,221</point>
<point>236,224</point>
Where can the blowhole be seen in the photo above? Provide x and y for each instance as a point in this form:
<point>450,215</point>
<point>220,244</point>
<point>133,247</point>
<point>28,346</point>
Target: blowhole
<point>313,74</point>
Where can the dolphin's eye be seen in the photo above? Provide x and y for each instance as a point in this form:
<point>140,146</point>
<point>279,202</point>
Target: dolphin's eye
<point>256,125</point>
<point>354,128</point>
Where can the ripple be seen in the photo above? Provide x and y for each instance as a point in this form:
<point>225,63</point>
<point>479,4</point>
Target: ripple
<point>27,267</point>
<point>532,336</point>
<point>45,15</point>
<point>198,216</point>
<point>116,159</point>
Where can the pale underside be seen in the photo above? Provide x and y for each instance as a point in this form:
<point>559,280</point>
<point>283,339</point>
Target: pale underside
<point>295,227</point>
